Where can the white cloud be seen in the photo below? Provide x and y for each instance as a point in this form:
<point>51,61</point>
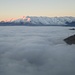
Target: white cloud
<point>36,51</point>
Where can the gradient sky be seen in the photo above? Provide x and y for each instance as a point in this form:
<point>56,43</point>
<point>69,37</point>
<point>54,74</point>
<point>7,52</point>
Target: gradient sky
<point>50,8</point>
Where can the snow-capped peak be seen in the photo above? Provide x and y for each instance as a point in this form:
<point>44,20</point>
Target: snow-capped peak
<point>45,20</point>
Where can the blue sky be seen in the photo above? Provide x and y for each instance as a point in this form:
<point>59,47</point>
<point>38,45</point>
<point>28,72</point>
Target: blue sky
<point>50,8</point>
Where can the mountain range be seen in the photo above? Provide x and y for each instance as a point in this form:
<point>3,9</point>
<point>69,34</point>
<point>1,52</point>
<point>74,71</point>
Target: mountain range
<point>37,21</point>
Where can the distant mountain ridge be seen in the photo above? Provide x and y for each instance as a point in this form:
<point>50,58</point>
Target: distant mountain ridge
<point>33,20</point>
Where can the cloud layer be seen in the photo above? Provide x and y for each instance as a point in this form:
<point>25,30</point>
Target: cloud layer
<point>36,51</point>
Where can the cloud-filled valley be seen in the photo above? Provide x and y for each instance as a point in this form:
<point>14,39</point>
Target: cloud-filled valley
<point>36,51</point>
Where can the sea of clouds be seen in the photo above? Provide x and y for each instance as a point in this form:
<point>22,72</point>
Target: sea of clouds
<point>36,51</point>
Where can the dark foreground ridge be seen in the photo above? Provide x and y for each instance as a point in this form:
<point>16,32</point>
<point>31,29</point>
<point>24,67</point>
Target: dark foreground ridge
<point>70,40</point>
<point>72,29</point>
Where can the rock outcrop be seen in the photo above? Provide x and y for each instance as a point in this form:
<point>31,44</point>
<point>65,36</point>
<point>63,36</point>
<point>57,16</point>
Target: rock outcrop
<point>70,40</point>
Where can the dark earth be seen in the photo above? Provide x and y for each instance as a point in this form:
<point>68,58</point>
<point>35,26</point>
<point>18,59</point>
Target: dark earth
<point>70,40</point>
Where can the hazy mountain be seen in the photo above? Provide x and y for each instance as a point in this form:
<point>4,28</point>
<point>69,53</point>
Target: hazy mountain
<point>31,20</point>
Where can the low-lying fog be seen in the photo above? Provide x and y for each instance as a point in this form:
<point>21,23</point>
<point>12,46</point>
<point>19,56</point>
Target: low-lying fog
<point>36,51</point>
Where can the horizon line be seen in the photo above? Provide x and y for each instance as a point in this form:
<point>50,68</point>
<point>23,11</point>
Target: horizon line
<point>32,16</point>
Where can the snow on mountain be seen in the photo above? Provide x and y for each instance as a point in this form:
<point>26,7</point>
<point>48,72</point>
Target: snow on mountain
<point>45,20</point>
